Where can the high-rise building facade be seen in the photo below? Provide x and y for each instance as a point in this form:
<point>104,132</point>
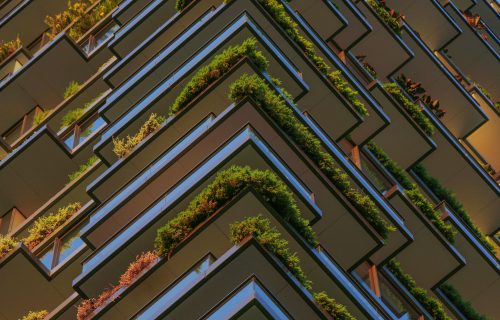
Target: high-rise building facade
<point>249,159</point>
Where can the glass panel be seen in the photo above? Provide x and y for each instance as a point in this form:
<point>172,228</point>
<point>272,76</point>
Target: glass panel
<point>47,257</point>
<point>69,140</point>
<point>374,175</point>
<point>89,128</point>
<point>394,301</point>
<point>69,244</point>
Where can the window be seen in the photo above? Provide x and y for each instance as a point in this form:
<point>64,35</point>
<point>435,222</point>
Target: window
<point>83,131</point>
<point>62,248</point>
<point>95,40</point>
<point>21,127</point>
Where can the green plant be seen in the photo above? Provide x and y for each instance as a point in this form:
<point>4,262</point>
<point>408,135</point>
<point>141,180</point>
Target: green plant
<point>412,191</point>
<point>368,67</point>
<point>122,147</point>
<point>218,67</point>
<point>432,305</point>
<point>7,244</point>
<point>86,21</point>
<point>38,315</point>
<point>463,306</point>
<point>8,48</point>
<point>71,89</point>
<point>417,92</point>
<point>269,237</point>
<point>44,226</point>
<point>61,21</point>
<point>275,106</point>
<point>75,114</point>
<point>226,185</point>
<point>90,162</point>
<point>413,110</point>
<point>391,17</point>
<point>349,93</point>
<point>444,194</point>
<point>40,116</point>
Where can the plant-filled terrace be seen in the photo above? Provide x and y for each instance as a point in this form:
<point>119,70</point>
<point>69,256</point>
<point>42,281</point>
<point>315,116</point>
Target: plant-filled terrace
<point>463,306</point>
<point>417,92</point>
<point>8,48</point>
<point>391,17</point>
<point>225,187</point>
<point>83,168</point>
<point>276,107</point>
<point>413,192</point>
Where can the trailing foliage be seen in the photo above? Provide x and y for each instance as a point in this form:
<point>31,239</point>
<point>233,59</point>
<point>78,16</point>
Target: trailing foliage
<point>218,67</point>
<point>7,244</point>
<point>444,194</point>
<point>226,185</point>
<point>38,315</point>
<point>279,14</point>
<point>44,226</point>
<point>276,107</point>
<point>349,93</point>
<point>8,48</point>
<point>77,15</point>
<point>141,263</point>
<point>71,89</point>
<point>269,237</point>
<point>336,310</point>
<point>122,147</point>
<point>90,162</point>
<point>463,306</point>
<point>391,17</point>
<point>412,191</point>
<point>74,115</point>
<point>413,110</point>
<point>432,305</point>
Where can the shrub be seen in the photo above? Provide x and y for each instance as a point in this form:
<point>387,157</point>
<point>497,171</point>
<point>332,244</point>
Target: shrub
<point>85,22</point>
<point>39,315</point>
<point>444,194</point>
<point>141,263</point>
<point>226,185</point>
<point>8,48</point>
<point>40,116</point>
<point>74,115</point>
<point>432,305</point>
<point>44,226</point>
<point>90,162</point>
<point>218,67</point>
<point>349,93</point>
<point>71,89</point>
<point>463,306</point>
<point>275,106</point>
<point>413,110</point>
<point>60,21</point>
<point>7,244</point>
<point>122,147</point>
<point>389,16</point>
<point>270,238</point>
<point>412,191</point>
<point>336,310</point>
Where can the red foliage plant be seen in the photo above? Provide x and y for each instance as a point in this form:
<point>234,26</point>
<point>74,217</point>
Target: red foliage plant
<point>141,263</point>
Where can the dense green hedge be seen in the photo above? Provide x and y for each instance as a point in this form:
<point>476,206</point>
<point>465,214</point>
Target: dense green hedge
<point>444,194</point>
<point>275,106</point>
<point>269,237</point>
<point>226,185</point>
<point>463,306</point>
<point>412,191</point>
<point>413,110</point>
<point>384,13</point>
<point>432,305</point>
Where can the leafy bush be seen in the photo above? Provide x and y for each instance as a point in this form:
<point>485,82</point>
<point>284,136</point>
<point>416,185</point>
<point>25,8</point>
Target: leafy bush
<point>432,305</point>
<point>444,194</point>
<point>7,244</point>
<point>85,22</point>
<point>39,315</point>
<point>8,48</point>
<point>226,185</point>
<point>463,306</point>
<point>61,21</point>
<point>336,310</point>
<point>413,110</point>
<point>122,147</point>
<point>218,67</point>
<point>44,226</point>
<point>412,191</point>
<point>389,16</point>
<point>74,115</point>
<point>349,93</point>
<point>40,116</point>
<point>73,176</point>
<point>141,263</point>
<point>270,238</point>
<point>275,106</point>
<point>71,89</point>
